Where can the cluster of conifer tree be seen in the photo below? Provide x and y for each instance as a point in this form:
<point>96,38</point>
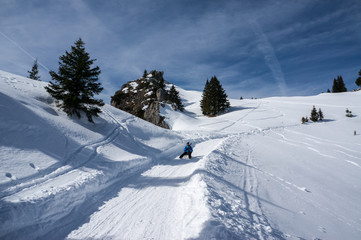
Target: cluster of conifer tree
<point>338,85</point>
<point>315,115</point>
<point>214,99</point>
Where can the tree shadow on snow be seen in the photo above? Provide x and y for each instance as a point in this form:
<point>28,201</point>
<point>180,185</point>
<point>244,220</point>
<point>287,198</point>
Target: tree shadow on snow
<point>327,120</point>
<point>239,108</point>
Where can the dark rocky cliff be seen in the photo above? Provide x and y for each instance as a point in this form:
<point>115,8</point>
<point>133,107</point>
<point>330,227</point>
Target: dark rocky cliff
<point>143,97</point>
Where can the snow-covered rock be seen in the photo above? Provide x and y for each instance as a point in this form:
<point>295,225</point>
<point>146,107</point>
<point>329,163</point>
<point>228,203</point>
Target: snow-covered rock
<point>142,99</point>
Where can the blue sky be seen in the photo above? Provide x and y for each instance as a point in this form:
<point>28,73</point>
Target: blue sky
<point>255,48</point>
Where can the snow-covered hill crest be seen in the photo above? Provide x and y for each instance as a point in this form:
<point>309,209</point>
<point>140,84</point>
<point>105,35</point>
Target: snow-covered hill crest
<point>256,171</point>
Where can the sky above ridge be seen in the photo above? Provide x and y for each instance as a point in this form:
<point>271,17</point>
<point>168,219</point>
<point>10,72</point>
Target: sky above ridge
<point>255,48</point>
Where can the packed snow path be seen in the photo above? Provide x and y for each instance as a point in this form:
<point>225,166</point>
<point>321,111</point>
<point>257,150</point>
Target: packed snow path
<point>256,172</point>
<point>164,202</point>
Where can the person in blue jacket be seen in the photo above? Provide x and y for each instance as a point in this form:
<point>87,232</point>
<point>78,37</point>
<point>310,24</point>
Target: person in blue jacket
<point>187,151</point>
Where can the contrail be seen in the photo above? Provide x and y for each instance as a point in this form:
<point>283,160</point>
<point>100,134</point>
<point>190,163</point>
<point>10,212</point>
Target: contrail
<point>23,50</point>
<point>270,57</point>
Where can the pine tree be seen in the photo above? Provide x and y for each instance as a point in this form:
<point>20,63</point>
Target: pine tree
<point>358,80</point>
<point>335,86</point>
<point>174,98</point>
<point>158,81</point>
<point>34,73</point>
<point>75,84</point>
<point>320,114</point>
<point>205,101</point>
<point>342,85</point>
<point>314,115</point>
<point>338,85</point>
<point>304,120</point>
<point>348,113</point>
<point>214,99</point>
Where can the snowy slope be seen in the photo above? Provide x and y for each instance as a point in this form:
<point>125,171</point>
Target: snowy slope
<point>256,171</point>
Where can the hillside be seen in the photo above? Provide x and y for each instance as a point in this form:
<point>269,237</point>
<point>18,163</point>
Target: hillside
<point>256,171</point>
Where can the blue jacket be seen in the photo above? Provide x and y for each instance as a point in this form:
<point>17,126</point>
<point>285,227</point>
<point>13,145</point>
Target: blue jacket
<point>188,148</point>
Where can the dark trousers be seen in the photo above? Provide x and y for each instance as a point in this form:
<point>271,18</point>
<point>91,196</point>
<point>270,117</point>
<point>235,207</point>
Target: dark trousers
<point>186,153</point>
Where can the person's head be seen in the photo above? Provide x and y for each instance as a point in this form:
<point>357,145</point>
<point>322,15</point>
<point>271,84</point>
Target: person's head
<point>187,143</point>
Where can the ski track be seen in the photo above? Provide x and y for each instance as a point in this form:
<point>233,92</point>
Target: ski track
<point>323,143</point>
<point>252,204</point>
<point>43,187</point>
<point>242,211</point>
<point>168,181</point>
<point>148,186</point>
<point>286,184</point>
<point>69,163</point>
<point>235,202</point>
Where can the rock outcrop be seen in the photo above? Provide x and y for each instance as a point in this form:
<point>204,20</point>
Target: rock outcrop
<point>143,97</point>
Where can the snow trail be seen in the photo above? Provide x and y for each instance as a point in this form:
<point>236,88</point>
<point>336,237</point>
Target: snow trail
<point>174,203</point>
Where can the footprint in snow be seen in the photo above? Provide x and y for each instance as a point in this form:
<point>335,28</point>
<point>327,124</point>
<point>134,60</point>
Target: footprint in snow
<point>9,175</point>
<point>322,229</point>
<point>304,189</point>
<point>33,166</point>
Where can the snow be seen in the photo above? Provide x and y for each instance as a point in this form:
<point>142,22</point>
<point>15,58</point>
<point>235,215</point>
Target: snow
<point>134,85</point>
<point>125,90</point>
<point>256,171</point>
